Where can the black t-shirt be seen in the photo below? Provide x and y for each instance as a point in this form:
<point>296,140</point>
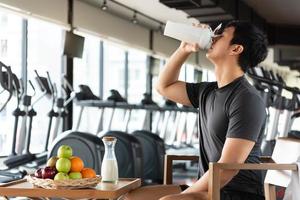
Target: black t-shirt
<point>234,111</point>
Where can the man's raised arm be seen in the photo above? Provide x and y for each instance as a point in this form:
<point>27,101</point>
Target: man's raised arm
<point>168,84</point>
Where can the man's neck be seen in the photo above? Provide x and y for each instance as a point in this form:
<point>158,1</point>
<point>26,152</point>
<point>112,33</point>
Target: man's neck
<point>227,73</point>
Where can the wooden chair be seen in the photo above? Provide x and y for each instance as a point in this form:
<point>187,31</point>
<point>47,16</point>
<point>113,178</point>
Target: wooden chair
<point>286,152</point>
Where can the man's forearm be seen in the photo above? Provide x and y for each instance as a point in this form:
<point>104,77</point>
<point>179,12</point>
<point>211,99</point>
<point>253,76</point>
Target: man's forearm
<point>171,71</point>
<point>202,184</point>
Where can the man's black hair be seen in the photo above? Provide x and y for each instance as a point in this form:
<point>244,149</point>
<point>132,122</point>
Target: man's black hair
<point>253,40</point>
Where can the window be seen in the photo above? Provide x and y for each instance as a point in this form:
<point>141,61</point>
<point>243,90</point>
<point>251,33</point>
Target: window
<point>208,75</point>
<point>86,71</point>
<point>198,76</point>
<point>137,67</point>
<point>137,77</point>
<point>182,74</point>
<point>114,69</point>
<point>44,54</point>
<point>296,124</point>
<point>11,41</point>
<point>10,55</point>
<point>114,78</point>
<point>190,73</point>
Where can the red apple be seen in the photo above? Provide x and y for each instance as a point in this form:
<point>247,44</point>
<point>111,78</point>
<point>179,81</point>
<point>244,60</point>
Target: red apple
<point>38,173</point>
<point>49,172</point>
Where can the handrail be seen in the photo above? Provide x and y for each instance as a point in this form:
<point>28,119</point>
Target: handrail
<point>124,105</point>
<point>275,83</point>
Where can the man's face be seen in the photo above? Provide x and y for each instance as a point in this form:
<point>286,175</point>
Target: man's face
<point>221,45</point>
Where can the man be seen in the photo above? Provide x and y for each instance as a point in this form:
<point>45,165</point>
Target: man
<point>231,112</point>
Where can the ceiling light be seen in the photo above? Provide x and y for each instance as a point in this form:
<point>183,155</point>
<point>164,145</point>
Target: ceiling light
<point>104,6</point>
<point>134,18</point>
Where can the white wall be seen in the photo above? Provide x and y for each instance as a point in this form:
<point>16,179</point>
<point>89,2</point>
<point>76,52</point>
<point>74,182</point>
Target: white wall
<point>50,10</point>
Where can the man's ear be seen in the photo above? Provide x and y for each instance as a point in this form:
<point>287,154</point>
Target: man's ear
<point>237,49</point>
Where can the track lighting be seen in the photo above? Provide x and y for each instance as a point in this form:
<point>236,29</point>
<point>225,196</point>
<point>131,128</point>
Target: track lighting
<point>104,6</point>
<point>134,18</point>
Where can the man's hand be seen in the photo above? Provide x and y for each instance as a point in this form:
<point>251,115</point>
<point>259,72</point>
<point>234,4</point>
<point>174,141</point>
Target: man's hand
<point>188,47</point>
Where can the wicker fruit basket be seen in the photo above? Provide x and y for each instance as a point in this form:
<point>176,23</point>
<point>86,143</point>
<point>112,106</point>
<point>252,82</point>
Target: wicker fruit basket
<point>63,184</point>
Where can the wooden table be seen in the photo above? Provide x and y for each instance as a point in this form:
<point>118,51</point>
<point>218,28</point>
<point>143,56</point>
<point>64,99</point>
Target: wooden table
<point>22,188</point>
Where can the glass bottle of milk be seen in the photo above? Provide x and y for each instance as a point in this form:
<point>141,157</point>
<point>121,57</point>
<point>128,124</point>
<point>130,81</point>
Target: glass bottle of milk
<point>109,168</point>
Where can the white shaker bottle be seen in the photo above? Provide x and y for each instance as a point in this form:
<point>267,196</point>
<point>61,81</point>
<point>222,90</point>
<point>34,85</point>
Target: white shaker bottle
<point>189,33</point>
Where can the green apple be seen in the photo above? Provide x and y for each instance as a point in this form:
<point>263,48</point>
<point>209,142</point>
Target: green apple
<point>61,176</point>
<point>52,161</point>
<point>64,151</point>
<point>75,175</point>
<point>63,165</point>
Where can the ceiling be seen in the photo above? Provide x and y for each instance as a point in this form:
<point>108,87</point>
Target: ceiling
<point>151,8</point>
<point>278,18</point>
<point>277,11</point>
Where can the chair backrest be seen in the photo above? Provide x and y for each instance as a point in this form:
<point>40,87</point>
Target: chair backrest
<point>286,151</point>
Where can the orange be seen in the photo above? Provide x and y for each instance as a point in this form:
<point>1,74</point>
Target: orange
<point>88,173</point>
<point>76,164</point>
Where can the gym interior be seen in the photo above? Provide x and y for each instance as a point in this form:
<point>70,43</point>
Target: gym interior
<point>82,74</point>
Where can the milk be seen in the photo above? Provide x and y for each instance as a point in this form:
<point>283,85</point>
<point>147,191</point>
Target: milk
<point>109,167</point>
<point>109,171</point>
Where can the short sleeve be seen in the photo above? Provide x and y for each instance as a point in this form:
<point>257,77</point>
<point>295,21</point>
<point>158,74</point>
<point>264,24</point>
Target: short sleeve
<point>193,90</point>
<point>247,117</point>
